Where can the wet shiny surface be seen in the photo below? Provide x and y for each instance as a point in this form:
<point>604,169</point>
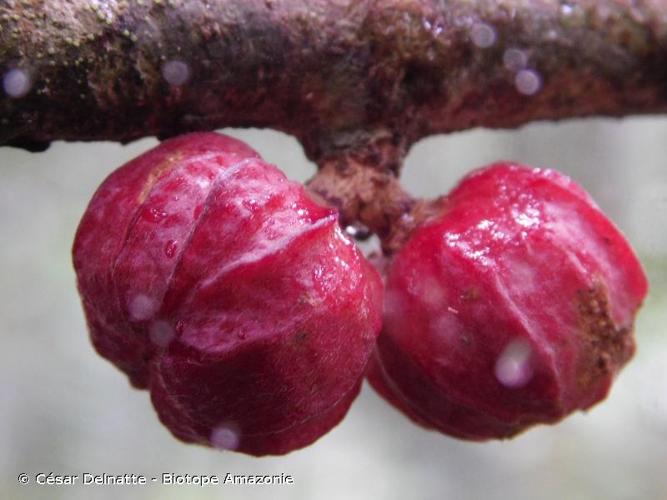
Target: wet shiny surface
<point>228,293</point>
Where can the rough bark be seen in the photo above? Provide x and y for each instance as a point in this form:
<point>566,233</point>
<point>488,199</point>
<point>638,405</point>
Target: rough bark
<point>337,74</point>
<point>356,81</point>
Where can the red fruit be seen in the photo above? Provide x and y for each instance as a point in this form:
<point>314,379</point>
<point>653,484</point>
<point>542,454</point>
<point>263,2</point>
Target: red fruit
<point>212,280</point>
<point>514,307</point>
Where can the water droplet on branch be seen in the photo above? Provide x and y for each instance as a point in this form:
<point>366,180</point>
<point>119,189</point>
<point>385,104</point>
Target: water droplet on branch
<point>515,59</point>
<point>483,35</point>
<point>528,82</point>
<point>176,72</point>
<point>16,83</point>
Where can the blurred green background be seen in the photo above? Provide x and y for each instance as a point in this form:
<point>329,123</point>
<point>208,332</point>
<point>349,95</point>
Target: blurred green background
<point>66,410</point>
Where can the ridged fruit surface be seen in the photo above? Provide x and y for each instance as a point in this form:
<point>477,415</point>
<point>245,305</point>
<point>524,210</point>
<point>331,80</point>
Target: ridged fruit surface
<point>223,288</point>
<point>513,307</point>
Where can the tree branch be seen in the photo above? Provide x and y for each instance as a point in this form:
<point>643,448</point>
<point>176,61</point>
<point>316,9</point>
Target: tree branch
<point>336,74</point>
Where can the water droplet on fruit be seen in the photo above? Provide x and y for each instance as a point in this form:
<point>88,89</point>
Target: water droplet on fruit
<point>16,83</point>
<point>515,59</point>
<point>226,437</point>
<point>513,365</point>
<point>431,292</point>
<point>528,82</point>
<point>142,308</point>
<point>358,231</point>
<point>161,333</point>
<point>170,248</point>
<point>483,35</point>
<point>176,72</point>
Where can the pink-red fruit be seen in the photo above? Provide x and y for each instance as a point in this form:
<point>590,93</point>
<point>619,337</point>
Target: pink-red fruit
<point>514,307</point>
<point>222,287</point>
